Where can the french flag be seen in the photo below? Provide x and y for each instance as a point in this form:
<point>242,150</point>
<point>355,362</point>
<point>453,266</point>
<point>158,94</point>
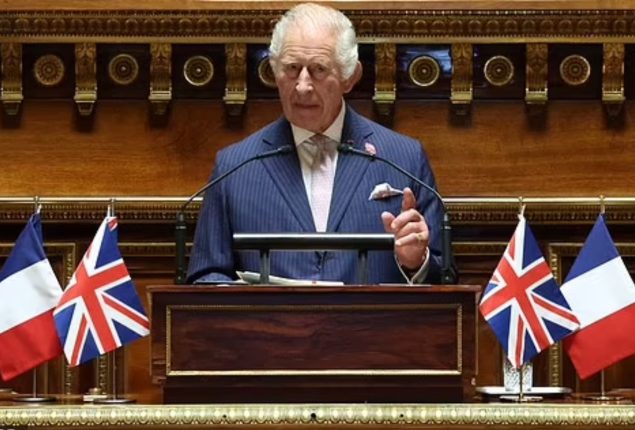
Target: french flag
<point>29,291</point>
<point>601,294</point>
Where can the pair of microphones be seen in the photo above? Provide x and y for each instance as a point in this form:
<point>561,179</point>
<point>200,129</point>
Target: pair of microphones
<point>448,272</point>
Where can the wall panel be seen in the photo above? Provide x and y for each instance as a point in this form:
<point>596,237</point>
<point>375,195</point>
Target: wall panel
<point>561,126</point>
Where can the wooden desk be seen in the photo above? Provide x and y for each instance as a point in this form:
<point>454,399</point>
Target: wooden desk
<point>314,344</point>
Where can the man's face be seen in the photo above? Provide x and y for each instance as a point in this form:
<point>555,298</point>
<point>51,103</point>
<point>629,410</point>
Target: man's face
<point>309,81</point>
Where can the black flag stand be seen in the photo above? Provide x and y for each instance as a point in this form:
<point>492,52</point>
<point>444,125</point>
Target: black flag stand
<point>34,397</point>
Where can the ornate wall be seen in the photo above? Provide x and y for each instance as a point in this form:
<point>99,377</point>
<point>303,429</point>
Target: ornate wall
<point>103,101</point>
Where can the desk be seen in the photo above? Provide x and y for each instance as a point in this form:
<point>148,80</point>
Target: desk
<point>353,344</point>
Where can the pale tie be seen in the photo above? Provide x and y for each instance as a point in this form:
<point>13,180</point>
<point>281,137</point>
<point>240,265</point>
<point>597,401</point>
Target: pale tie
<point>322,176</point>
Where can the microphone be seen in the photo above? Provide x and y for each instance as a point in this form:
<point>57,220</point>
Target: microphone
<point>448,273</point>
<point>181,227</point>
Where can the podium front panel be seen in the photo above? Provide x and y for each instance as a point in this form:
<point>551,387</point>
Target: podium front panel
<point>353,344</point>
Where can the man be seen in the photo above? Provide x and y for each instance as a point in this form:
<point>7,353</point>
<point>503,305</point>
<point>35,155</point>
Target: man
<point>313,54</point>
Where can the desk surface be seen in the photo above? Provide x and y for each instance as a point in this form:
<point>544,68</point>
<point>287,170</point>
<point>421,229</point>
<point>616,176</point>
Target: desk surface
<point>291,416</point>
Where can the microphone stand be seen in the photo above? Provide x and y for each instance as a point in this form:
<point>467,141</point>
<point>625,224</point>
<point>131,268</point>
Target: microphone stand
<point>448,274</point>
<point>181,226</point>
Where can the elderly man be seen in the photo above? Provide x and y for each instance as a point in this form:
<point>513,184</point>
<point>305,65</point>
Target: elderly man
<point>314,57</point>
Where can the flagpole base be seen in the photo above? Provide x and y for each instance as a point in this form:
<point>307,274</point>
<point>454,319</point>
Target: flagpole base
<point>521,399</point>
<point>551,392</point>
<point>603,398</point>
<point>33,399</point>
<point>114,401</point>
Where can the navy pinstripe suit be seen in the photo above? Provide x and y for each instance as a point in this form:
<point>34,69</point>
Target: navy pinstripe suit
<point>269,196</point>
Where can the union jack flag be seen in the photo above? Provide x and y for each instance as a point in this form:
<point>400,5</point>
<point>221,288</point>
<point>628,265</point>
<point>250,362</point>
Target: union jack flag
<point>522,302</point>
<point>99,310</point>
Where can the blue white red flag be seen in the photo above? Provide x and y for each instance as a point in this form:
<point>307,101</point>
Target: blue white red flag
<point>601,292</point>
<point>29,291</point>
<point>99,310</point>
<point>522,302</point>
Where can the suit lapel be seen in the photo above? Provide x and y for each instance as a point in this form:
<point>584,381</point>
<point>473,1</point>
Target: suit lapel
<point>350,168</point>
<point>287,175</point>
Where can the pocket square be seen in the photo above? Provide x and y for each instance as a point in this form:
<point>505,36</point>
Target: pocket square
<point>383,191</point>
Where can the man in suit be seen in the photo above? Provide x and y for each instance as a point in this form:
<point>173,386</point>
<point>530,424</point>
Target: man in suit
<point>313,54</point>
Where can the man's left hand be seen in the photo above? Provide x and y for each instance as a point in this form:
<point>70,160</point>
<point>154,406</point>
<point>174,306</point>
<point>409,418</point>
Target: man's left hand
<point>410,230</point>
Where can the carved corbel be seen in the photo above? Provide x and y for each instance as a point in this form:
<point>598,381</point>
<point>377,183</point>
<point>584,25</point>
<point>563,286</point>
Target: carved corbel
<point>461,88</point>
<point>236,86</point>
<point>536,95</point>
<point>160,77</point>
<point>385,86</point>
<point>613,78</point>
<point>11,88</point>
<point>85,77</point>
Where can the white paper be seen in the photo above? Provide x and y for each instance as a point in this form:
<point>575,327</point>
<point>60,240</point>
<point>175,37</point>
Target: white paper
<point>254,278</point>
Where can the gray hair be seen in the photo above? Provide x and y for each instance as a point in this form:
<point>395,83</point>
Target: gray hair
<point>322,17</point>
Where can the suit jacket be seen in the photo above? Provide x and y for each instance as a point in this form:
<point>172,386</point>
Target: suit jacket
<point>268,196</point>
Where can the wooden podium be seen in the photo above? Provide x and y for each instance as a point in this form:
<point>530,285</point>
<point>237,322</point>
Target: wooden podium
<point>353,344</point>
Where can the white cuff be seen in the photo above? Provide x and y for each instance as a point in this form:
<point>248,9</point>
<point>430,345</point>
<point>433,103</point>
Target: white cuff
<point>420,274</point>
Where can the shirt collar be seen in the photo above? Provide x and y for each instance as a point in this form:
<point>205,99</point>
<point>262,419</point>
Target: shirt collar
<point>334,131</point>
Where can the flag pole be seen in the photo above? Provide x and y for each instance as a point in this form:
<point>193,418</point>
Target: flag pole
<point>34,398</point>
<point>518,396</point>
<point>114,399</point>
<point>603,396</point>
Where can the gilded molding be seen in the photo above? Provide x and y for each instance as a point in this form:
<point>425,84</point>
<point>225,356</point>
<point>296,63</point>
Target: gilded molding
<point>160,77</point>
<point>198,70</point>
<point>558,250</point>
<point>536,90</point>
<point>555,365</point>
<point>424,71</point>
<point>49,70</point>
<point>542,415</point>
<point>575,70</point>
<point>87,210</point>
<point>68,375</point>
<point>254,26</point>
<point>102,372</point>
<point>499,70</point>
<point>236,85</point>
<point>477,210</point>
<point>85,77</point>
<point>461,88</point>
<point>64,250</point>
<point>385,85</point>
<point>613,77</point>
<point>154,249</point>
<point>11,74</point>
<point>123,69</point>
<point>555,353</point>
